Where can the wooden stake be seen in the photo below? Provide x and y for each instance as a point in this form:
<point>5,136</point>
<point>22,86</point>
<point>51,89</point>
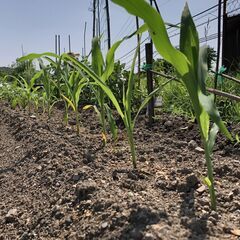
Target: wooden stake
<point>149,62</point>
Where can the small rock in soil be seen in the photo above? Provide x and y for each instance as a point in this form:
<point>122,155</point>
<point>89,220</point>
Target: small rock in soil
<point>201,189</point>
<point>25,236</point>
<point>84,189</point>
<point>199,150</point>
<point>192,144</point>
<point>236,232</point>
<point>88,157</point>
<point>168,124</point>
<point>11,216</point>
<point>142,159</point>
<point>104,225</point>
<point>68,221</point>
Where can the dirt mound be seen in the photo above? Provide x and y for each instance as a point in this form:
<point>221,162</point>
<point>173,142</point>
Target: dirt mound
<point>57,185</point>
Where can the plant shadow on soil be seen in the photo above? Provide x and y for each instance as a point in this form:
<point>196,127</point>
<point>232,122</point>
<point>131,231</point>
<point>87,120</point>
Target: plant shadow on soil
<point>139,219</point>
<point>197,226</point>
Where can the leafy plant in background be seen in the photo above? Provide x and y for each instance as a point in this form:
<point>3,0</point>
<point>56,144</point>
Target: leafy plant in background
<point>190,63</point>
<point>28,87</point>
<point>11,92</point>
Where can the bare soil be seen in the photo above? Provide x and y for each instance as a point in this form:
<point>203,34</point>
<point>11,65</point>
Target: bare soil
<point>57,185</point>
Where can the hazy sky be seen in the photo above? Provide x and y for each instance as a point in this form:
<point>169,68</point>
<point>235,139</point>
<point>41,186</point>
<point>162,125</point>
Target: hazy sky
<point>34,23</point>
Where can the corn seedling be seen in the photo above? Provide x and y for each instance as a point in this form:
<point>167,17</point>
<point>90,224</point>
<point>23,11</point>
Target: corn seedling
<point>126,112</point>
<point>190,63</point>
<point>103,69</point>
<point>73,87</point>
<point>49,98</point>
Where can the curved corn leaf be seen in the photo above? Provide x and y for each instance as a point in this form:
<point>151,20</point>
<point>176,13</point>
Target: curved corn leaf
<point>157,31</point>
<point>86,107</point>
<point>209,106</point>
<point>34,78</point>
<point>33,56</point>
<point>140,30</point>
<point>97,79</point>
<point>112,123</point>
<point>212,138</point>
<point>207,182</point>
<point>144,103</point>
<point>204,124</point>
<point>110,61</point>
<point>128,97</point>
<point>69,102</point>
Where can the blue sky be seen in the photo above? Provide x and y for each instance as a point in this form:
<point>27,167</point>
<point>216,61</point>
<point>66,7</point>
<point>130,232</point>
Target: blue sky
<point>34,23</point>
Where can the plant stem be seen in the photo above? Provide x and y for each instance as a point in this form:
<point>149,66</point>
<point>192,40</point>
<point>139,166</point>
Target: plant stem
<point>102,113</point>
<point>210,177</point>
<point>132,147</point>
<point>77,121</point>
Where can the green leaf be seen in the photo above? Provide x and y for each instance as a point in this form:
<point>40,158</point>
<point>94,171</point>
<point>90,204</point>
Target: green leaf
<point>86,107</point>
<point>128,97</point>
<point>157,31</point>
<point>140,30</point>
<point>237,138</point>
<point>207,182</point>
<point>144,103</point>
<point>209,106</point>
<point>69,102</point>
<point>79,88</point>
<point>97,79</point>
<point>112,123</point>
<point>34,78</point>
<point>212,137</point>
<point>33,56</point>
<point>202,68</point>
<point>189,42</point>
<point>110,61</point>
<point>97,58</point>
<point>204,123</point>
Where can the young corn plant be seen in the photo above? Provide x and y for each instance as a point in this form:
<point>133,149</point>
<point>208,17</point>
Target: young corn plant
<point>190,63</point>
<point>125,112</point>
<point>73,88</point>
<point>49,98</point>
<point>103,69</point>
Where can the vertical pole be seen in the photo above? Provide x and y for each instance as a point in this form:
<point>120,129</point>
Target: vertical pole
<point>139,51</point>
<point>149,61</point>
<point>85,29</point>
<point>22,50</point>
<point>94,18</point>
<point>218,43</point>
<point>224,37</point>
<point>108,24</point>
<point>59,46</point>
<point>56,48</point>
<point>69,43</point>
<point>99,19</point>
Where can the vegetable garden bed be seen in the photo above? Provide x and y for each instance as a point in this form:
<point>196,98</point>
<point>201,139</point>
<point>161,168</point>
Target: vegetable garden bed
<point>55,184</point>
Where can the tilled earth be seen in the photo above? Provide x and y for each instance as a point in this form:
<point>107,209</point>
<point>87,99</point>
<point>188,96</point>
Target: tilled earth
<point>57,185</point>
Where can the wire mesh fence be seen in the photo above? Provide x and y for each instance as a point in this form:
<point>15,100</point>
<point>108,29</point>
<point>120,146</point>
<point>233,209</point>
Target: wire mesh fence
<point>233,8</point>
